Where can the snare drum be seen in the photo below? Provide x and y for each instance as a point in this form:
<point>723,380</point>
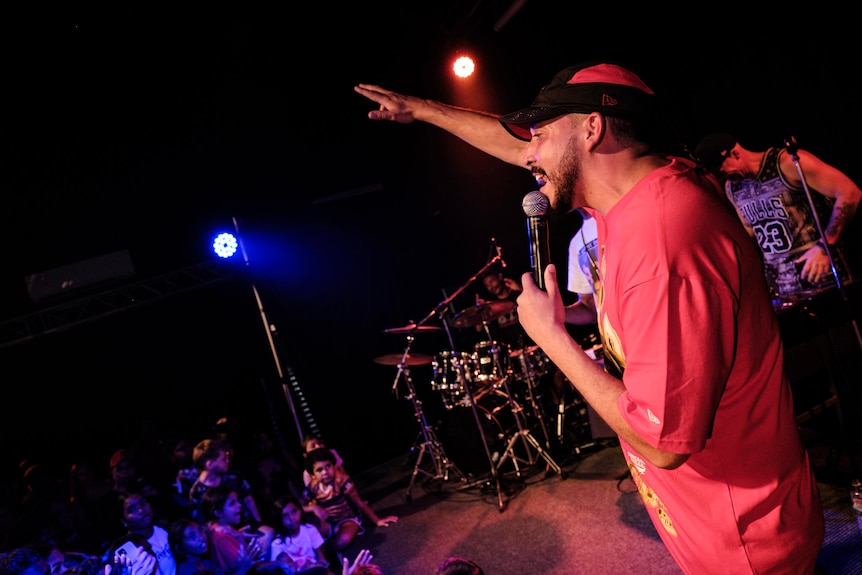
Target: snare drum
<point>450,371</point>
<point>490,363</point>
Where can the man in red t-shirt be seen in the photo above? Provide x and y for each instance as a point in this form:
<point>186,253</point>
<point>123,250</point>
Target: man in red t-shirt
<point>703,409</point>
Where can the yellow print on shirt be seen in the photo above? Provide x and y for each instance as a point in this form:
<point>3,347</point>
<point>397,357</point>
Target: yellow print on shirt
<point>613,347</point>
<point>652,500</point>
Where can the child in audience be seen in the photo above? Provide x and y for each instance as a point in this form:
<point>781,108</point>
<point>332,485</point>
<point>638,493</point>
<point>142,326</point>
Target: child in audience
<point>312,442</point>
<point>183,474</point>
<point>138,519</point>
<point>212,459</point>
<point>233,550</point>
<point>297,543</point>
<point>23,561</point>
<point>190,547</point>
<point>131,554</point>
<point>335,492</point>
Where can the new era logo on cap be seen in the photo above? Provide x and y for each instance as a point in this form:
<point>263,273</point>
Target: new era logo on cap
<point>608,100</point>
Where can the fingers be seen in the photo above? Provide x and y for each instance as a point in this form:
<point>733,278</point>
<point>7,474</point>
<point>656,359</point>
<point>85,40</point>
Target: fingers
<point>368,88</point>
<point>374,93</point>
<point>815,264</point>
<point>364,557</point>
<point>550,275</point>
<point>551,280</point>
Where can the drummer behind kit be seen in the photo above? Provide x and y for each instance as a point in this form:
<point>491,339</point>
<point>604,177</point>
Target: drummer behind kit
<point>511,389</point>
<point>495,400</point>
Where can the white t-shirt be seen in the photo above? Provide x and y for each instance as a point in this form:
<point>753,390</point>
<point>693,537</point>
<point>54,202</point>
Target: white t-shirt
<point>162,548</point>
<point>583,251</point>
<point>301,549</point>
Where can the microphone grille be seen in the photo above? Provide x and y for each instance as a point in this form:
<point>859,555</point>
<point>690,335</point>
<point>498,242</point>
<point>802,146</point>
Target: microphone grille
<point>535,204</point>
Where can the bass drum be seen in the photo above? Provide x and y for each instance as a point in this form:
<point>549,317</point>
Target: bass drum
<point>462,440</point>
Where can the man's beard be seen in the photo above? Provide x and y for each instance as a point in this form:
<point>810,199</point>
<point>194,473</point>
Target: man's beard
<point>568,173</point>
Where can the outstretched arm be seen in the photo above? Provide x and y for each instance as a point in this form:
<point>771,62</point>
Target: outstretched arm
<point>366,510</point>
<point>481,130</point>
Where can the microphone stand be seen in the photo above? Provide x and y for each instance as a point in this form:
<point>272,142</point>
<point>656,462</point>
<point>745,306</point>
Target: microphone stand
<point>792,149</point>
<point>438,311</point>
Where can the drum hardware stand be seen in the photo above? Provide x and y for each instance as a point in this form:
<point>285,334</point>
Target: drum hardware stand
<point>538,410</point>
<point>526,436</point>
<point>439,311</point>
<point>523,432</point>
<point>430,443</point>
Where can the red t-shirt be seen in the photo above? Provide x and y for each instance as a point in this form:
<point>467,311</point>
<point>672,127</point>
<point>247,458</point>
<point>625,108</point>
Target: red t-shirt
<point>224,546</point>
<point>685,312</point>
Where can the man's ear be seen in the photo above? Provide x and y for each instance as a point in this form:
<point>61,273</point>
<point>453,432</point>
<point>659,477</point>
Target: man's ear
<point>596,129</point>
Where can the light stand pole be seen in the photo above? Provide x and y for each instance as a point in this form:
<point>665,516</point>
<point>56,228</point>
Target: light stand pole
<point>271,333</point>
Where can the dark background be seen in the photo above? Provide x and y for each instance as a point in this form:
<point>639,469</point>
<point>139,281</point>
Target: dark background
<point>148,130</point>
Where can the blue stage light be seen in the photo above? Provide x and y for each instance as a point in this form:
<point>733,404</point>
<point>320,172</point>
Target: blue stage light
<point>225,245</point>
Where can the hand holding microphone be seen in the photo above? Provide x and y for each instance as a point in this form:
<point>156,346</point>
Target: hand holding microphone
<point>535,205</point>
<point>540,310</point>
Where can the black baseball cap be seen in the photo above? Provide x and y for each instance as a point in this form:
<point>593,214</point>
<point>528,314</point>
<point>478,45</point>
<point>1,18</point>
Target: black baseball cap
<point>584,88</point>
<point>713,149</point>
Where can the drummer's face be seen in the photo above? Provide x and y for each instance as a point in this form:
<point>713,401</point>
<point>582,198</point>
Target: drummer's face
<point>494,284</point>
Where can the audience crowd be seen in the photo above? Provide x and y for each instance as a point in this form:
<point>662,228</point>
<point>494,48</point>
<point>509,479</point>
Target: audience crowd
<point>214,505</point>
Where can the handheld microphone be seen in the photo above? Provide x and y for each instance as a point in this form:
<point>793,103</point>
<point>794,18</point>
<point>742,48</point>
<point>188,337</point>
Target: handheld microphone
<point>535,205</point>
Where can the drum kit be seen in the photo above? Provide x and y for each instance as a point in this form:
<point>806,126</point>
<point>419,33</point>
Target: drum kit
<point>488,394</point>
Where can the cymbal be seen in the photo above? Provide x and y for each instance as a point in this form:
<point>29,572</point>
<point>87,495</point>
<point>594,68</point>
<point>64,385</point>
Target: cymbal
<point>482,312</point>
<point>396,359</point>
<point>412,328</point>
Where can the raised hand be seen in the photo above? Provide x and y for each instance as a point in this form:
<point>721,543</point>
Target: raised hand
<point>363,558</point>
<point>394,107</point>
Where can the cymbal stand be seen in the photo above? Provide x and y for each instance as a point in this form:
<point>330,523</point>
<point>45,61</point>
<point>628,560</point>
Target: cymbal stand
<point>441,464</point>
<point>439,311</point>
<point>518,412</point>
<point>538,410</point>
<point>525,436</point>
